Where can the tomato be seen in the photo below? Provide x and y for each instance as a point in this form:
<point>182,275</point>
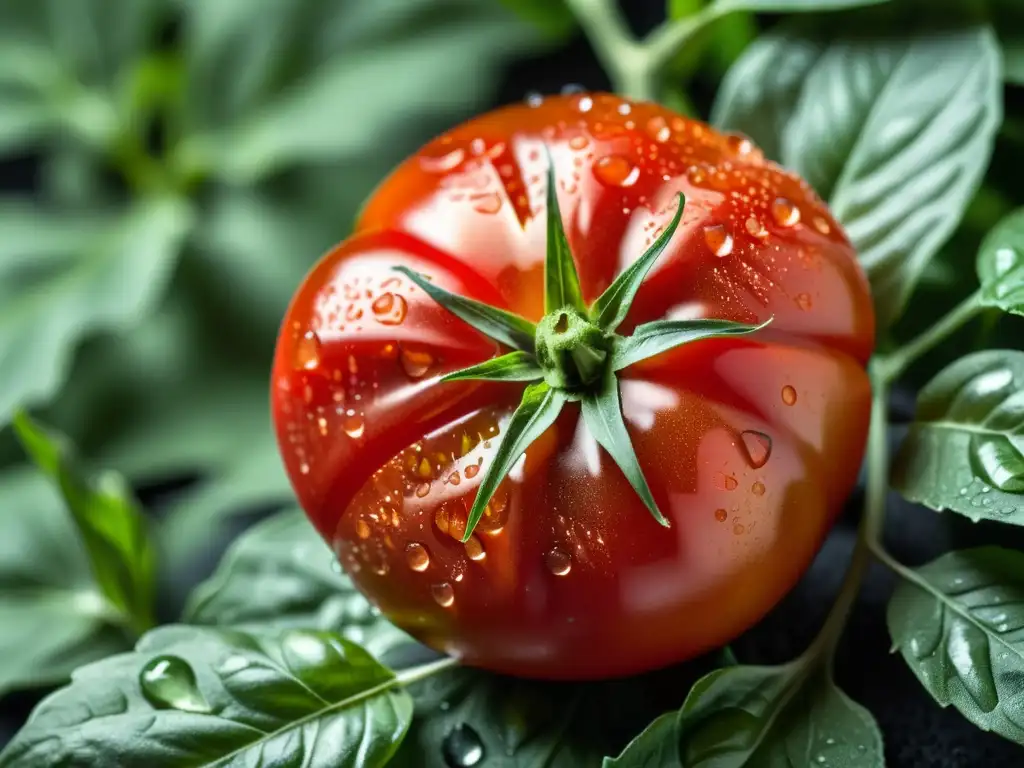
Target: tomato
<point>749,444</point>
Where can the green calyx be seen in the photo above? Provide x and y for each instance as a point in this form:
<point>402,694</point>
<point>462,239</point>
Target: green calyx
<point>571,350</point>
<point>572,355</point>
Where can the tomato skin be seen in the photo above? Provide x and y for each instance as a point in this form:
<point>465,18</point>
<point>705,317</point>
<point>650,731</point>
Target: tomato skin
<point>750,445</point>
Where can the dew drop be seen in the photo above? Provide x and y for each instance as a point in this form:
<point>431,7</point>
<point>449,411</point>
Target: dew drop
<point>788,395</point>
<point>442,163</point>
<point>363,529</point>
<point>390,309</point>
<point>417,556</point>
<point>579,142</point>
<point>718,240</point>
<point>304,468</point>
<point>443,594</point>
<point>354,426</point>
<point>757,488</point>
<point>755,228</point>
<point>462,747</point>
<point>558,562</point>
<point>534,99</point>
<point>616,171</point>
<point>486,202</point>
<point>785,212</point>
<point>422,490</point>
<point>471,471</point>
<point>757,446</point>
<point>169,682</point>
<point>474,549</point>
<point>721,515</point>
<point>803,301</point>
<point>658,129</point>
<point>822,225</point>
<point>739,144</point>
<point>307,351</point>
<point>416,363</point>
<point>454,478</point>
<point>585,104</point>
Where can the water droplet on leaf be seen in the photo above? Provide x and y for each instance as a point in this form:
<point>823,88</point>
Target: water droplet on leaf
<point>462,747</point>
<point>169,682</point>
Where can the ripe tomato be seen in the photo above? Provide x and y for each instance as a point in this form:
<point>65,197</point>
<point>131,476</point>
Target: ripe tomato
<point>749,444</point>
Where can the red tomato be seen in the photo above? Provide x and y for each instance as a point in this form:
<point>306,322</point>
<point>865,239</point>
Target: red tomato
<point>750,444</point>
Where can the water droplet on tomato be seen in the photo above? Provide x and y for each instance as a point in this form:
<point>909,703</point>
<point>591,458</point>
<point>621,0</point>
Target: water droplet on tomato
<point>558,561</point>
<point>788,395</point>
<point>616,171</point>
<point>725,482</point>
<point>486,202</point>
<point>416,363</point>
<point>822,225</point>
<point>472,470</point>
<point>757,446</point>
<point>444,162</point>
<point>304,468</point>
<point>658,129</point>
<point>697,175</point>
<point>757,488</point>
<point>462,747</point>
<point>454,478</point>
<point>803,301</point>
<point>169,682</point>
<point>422,490</point>
<point>739,144</point>
<point>785,212</point>
<point>738,529</point>
<point>474,549</point>
<point>363,529</point>
<point>390,309</point>
<point>443,594</point>
<point>579,142</point>
<point>417,556</point>
<point>584,104</point>
<point>354,426</point>
<point>721,515</point>
<point>755,228</point>
<point>307,351</point>
<point>718,240</point>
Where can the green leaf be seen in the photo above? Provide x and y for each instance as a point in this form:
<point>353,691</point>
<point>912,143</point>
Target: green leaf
<point>37,243</point>
<point>793,6</point>
<point>612,306</point>
<point>553,17</point>
<point>192,696</point>
<point>899,172</point>
<point>502,326</point>
<point>602,412</point>
<point>538,410</point>
<point>752,716</point>
<point>280,574</point>
<point>1013,60</point>
<point>759,94</point>
<point>650,339</point>
<point>959,624</point>
<point>656,747</point>
<point>515,366</point>
<point>965,449</point>
<point>561,282</point>
<point>1001,265</point>
<point>108,519</point>
<point>52,619</point>
<point>343,54</point>
<point>107,286</point>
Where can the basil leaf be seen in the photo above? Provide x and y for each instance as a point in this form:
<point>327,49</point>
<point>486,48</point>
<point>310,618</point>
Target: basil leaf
<point>898,172</point>
<point>960,627</point>
<point>760,91</point>
<point>203,697</point>
<point>538,410</point>
<point>107,286</point>
<point>659,336</point>
<point>1001,265</point>
<point>612,306</point>
<point>498,324</point>
<point>561,281</point>
<point>52,617</point>
<point>752,716</point>
<point>280,574</point>
<point>656,747</point>
<point>965,449</point>
<point>515,366</point>
<point>108,519</point>
<point>602,412</point>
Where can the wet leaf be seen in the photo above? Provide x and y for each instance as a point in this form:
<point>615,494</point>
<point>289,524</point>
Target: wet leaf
<point>965,449</point>
<point>961,631</point>
<point>1001,265</point>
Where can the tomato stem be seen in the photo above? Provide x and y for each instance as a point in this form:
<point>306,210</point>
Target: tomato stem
<point>571,350</point>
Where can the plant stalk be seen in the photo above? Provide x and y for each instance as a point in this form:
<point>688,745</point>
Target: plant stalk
<point>621,56</point>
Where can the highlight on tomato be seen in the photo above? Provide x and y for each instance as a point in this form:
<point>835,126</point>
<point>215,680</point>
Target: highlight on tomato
<point>583,392</point>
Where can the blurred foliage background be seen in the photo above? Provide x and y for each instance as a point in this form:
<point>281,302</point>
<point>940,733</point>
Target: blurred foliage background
<point>169,169</point>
